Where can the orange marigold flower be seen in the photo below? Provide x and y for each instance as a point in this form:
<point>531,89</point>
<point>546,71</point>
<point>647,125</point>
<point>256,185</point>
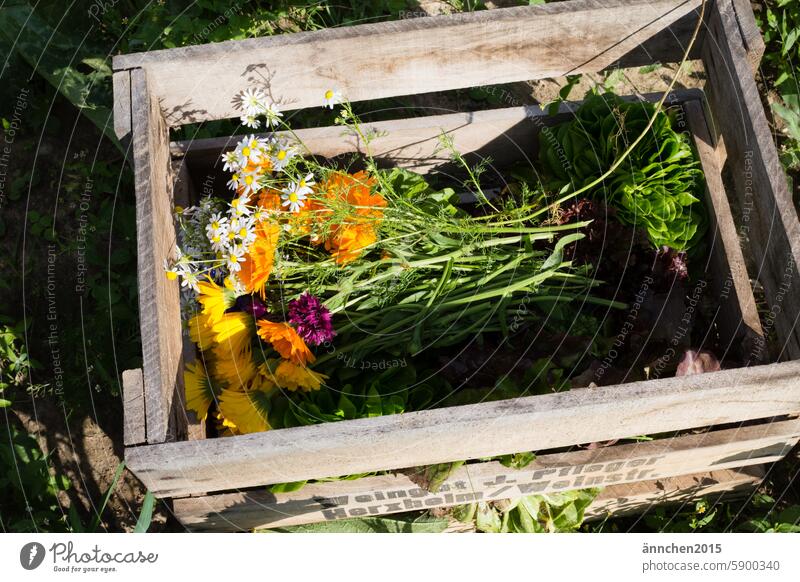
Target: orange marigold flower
<point>256,268</point>
<point>270,199</point>
<point>286,341</point>
<point>348,241</point>
<point>355,189</point>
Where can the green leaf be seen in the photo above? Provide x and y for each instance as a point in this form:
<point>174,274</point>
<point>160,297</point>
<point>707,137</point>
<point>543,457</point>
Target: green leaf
<point>111,488</point>
<point>369,525</point>
<point>287,487</point>
<point>146,515</point>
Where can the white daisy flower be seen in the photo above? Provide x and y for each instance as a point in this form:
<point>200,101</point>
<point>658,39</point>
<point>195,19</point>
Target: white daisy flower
<point>172,271</point>
<point>260,144</point>
<point>239,206</point>
<point>282,153</point>
<point>250,121</point>
<point>246,153</point>
<point>304,185</point>
<point>235,181</point>
<point>273,115</point>
<point>237,285</point>
<point>249,183</point>
<point>189,279</point>
<point>216,223</point>
<point>246,233</point>
<point>293,198</point>
<point>219,240</point>
<point>252,101</point>
<point>234,258</point>
<point>332,97</point>
<point>228,240</point>
<point>231,160</point>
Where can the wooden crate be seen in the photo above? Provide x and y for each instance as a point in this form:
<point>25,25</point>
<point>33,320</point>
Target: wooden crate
<point>217,484</point>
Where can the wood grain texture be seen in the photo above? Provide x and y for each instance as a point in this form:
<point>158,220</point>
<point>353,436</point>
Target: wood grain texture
<point>737,318</point>
<point>506,135</point>
<point>122,104</point>
<point>159,306</point>
<point>468,432</point>
<point>751,35</point>
<point>387,494</point>
<point>417,55</point>
<point>619,500</point>
<point>769,221</point>
<point>133,432</point>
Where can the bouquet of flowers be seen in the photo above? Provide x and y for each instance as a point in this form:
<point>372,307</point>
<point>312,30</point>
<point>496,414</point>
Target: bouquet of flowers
<point>309,264</point>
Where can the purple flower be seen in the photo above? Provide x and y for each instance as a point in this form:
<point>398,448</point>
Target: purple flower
<point>252,305</point>
<point>311,319</point>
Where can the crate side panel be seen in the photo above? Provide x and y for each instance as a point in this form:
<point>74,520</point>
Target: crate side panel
<point>387,494</point>
<point>159,305</point>
<point>769,219</point>
<point>468,432</point>
<point>414,56</point>
<point>133,407</point>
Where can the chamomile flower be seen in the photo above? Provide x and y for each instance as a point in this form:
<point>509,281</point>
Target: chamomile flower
<point>231,160</point>
<point>239,206</point>
<point>234,258</point>
<point>233,282</point>
<point>219,240</point>
<point>293,197</point>
<point>249,183</point>
<point>216,224</point>
<point>252,101</point>
<point>282,153</point>
<point>304,185</point>
<point>249,151</point>
<point>172,271</point>
<point>250,121</point>
<point>246,233</point>
<point>273,115</point>
<point>332,97</point>
<point>189,279</point>
<point>235,181</point>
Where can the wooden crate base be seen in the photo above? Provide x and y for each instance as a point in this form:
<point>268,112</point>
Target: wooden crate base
<point>613,501</point>
<point>620,466</point>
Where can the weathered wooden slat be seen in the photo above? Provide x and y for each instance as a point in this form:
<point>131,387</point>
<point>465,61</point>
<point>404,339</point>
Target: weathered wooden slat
<point>159,305</point>
<point>386,494</point>
<point>751,35</point>
<point>122,104</point>
<point>133,432</point>
<point>414,56</point>
<point>505,135</point>
<point>769,220</point>
<point>619,500</point>
<point>737,318</point>
<point>468,432</point>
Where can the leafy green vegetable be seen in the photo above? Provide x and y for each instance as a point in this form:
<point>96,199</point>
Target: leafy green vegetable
<point>369,525</point>
<point>555,512</point>
<point>660,185</point>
